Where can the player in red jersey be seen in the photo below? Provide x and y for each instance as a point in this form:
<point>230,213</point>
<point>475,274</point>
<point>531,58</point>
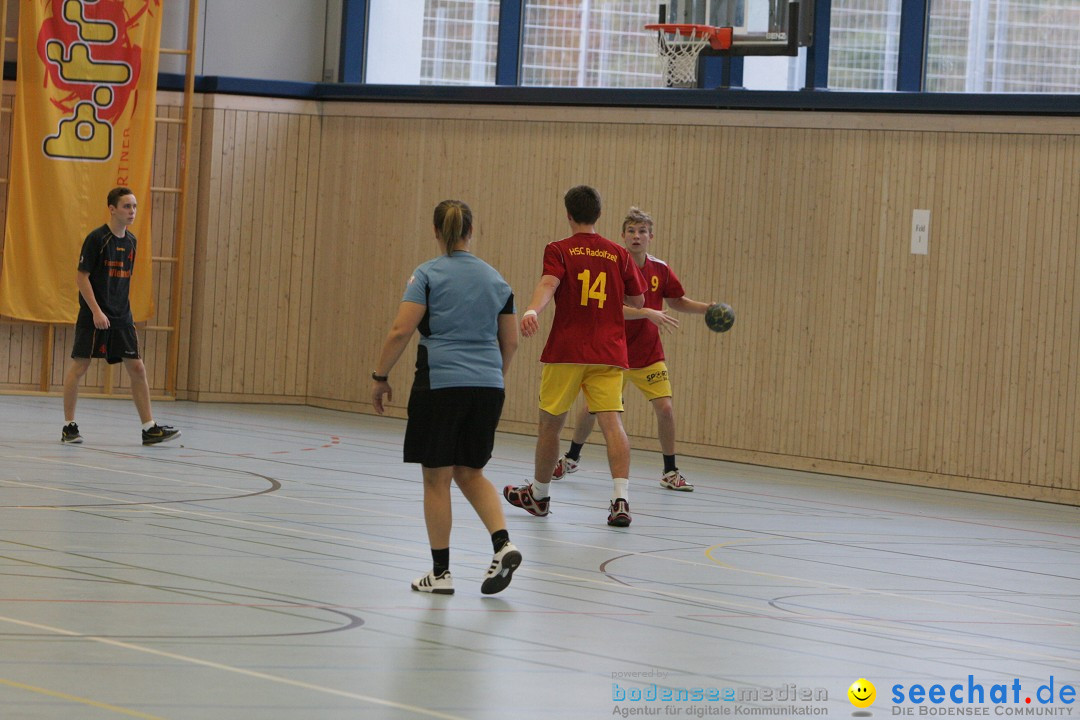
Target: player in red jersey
<point>590,278</point>
<point>647,369</point>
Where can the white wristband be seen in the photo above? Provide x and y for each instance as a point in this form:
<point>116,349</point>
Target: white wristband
<point>528,313</point>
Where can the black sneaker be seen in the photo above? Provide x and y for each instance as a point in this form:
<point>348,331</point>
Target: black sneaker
<point>70,434</point>
<point>159,434</point>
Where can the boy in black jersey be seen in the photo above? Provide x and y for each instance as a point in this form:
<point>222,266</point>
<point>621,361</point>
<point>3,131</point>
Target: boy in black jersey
<point>105,328</point>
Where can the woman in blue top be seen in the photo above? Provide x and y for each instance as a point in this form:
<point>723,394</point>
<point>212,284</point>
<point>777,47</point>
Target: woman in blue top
<point>464,311</point>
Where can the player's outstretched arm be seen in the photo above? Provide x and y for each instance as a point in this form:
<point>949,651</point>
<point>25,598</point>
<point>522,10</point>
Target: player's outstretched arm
<point>542,295</point>
<point>408,319</point>
<point>686,305</point>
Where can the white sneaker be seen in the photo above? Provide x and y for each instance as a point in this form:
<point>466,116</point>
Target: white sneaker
<point>432,583</point>
<point>564,467</point>
<point>675,481</point>
<point>503,565</point>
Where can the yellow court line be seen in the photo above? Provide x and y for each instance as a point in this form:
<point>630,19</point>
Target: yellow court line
<point>80,700</point>
<point>233,669</point>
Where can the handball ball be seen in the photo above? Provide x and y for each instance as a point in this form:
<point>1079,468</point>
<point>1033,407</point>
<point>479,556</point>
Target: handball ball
<point>719,317</point>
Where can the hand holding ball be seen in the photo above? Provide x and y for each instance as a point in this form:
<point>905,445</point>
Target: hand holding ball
<point>719,317</point>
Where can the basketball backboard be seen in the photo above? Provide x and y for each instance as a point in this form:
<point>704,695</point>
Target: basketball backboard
<point>760,27</point>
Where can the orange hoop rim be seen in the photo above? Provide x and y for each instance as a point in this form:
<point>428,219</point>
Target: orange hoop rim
<point>719,37</point>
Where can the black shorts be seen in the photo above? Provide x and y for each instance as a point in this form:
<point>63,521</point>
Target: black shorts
<point>120,342</point>
<point>452,426</point>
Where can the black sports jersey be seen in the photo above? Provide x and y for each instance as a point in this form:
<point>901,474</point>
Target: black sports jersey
<point>109,260</point>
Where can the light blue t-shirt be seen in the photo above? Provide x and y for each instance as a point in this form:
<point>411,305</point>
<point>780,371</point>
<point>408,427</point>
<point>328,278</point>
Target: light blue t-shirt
<point>459,343</point>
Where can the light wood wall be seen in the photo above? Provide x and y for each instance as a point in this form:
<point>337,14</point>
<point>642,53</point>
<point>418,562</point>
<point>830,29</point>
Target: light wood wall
<point>849,355</point>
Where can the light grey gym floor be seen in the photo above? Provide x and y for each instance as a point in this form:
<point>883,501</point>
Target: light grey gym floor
<point>261,569</point>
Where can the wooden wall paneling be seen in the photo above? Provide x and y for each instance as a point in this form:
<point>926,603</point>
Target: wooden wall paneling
<point>250,255</point>
<point>258,340</point>
<point>788,344</point>
<point>836,342</point>
<point>240,243</point>
<point>1042,306</point>
<point>234,313</point>
<point>884,353</point>
<point>695,360</point>
<point>925,190</point>
<point>964,341</point>
<point>277,304</point>
<point>276,311</point>
<point>1068,459</point>
<point>978,355</point>
<point>928,268</point>
<point>895,328</point>
<point>288,304</point>
<point>985,359</point>
<point>968,271</point>
<point>222,254</point>
<point>1019,188</point>
<point>940,303</point>
<point>306,215</point>
<point>947,388</point>
<point>267,342</point>
<point>206,174</point>
<point>1000,322</point>
<point>186,335</point>
<point>849,300</point>
<point>1071,457</point>
<point>795,212</point>
<point>1065,459</point>
<point>1029,304</point>
<point>734,287</point>
<point>1063,239</point>
<point>901,326</point>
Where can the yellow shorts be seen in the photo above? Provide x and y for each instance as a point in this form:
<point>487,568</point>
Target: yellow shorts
<point>652,380</point>
<point>560,384</point>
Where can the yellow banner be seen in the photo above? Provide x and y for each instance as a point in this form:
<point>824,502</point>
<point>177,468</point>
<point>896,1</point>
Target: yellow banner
<point>85,102</point>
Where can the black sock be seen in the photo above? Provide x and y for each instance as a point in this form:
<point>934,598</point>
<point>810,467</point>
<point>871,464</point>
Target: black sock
<point>499,538</point>
<point>441,560</point>
<point>669,463</point>
<point>574,453</point>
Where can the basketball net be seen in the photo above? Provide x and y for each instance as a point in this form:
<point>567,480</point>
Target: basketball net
<point>680,54</point>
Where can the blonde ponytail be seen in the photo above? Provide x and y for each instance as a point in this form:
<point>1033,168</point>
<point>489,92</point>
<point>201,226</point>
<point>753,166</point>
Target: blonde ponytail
<point>453,222</point>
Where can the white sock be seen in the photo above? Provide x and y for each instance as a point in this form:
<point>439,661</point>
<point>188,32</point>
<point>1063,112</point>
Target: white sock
<point>540,490</point>
<point>148,425</point>
<point>621,489</point>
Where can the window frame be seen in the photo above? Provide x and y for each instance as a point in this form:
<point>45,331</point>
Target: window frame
<point>722,77</point>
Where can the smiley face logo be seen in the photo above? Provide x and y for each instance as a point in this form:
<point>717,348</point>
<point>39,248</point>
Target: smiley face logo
<point>862,693</point>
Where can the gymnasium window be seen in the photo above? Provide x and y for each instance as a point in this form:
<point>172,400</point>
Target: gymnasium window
<point>1003,46</point>
<point>438,42</point>
<point>976,46</point>
<point>590,43</point>
<point>864,44</point>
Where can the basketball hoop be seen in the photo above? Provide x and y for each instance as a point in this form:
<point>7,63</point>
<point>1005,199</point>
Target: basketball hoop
<point>680,44</point>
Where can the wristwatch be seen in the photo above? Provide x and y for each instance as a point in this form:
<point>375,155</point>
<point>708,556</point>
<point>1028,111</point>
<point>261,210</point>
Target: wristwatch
<point>379,378</point>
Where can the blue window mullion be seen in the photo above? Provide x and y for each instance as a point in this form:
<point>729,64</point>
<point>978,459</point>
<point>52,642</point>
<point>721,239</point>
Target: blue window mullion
<point>817,55</point>
<point>353,36</point>
<point>911,65</point>
<point>508,57</point>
